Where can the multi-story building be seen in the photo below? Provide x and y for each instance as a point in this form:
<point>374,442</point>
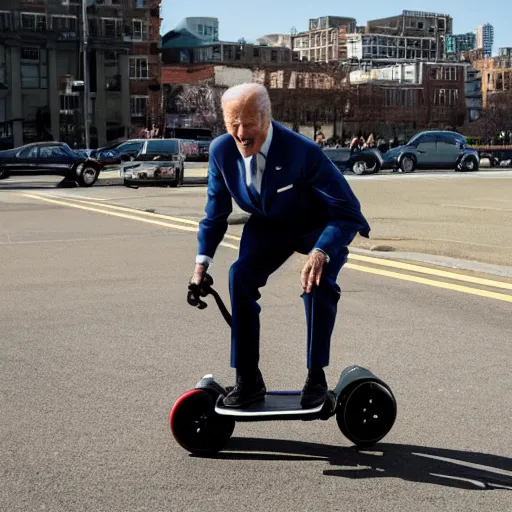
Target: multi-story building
<point>204,28</point>
<point>415,24</point>
<point>385,48</point>
<point>458,45</point>
<point>419,93</point>
<point>275,40</point>
<point>496,75</point>
<point>485,39</point>
<point>41,67</point>
<point>181,47</point>
<point>326,39</point>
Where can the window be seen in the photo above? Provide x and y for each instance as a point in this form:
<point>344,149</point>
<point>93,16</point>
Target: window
<point>138,68</point>
<point>64,23</point>
<point>137,30</point>
<point>163,146</point>
<point>138,105</point>
<point>446,97</point>
<point>34,68</point>
<point>200,29</point>
<point>30,152</point>
<point>110,27</point>
<point>51,152</point>
<point>33,22</point>
<point>5,21</point>
<point>140,4</point>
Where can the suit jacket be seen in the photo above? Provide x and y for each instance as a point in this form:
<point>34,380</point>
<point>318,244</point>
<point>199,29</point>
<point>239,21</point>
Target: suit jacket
<point>301,189</point>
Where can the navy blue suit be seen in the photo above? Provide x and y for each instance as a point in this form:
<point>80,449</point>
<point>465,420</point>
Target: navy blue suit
<point>305,203</point>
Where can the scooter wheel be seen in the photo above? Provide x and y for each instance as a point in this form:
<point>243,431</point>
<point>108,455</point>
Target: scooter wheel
<point>366,413</point>
<point>195,425</point>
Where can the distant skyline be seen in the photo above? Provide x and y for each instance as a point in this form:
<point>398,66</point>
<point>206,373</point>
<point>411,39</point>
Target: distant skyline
<point>237,20</point>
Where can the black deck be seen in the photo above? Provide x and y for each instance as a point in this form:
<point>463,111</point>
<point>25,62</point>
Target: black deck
<point>276,405</point>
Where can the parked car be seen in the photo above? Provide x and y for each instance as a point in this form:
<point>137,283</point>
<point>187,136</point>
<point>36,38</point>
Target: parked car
<point>433,150</point>
<point>159,162</point>
<point>49,158</point>
<point>366,161</point>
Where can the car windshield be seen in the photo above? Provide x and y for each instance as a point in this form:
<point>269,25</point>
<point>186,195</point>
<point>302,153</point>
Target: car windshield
<point>163,146</point>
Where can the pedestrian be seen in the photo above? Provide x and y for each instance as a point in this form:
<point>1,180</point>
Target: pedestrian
<point>299,202</point>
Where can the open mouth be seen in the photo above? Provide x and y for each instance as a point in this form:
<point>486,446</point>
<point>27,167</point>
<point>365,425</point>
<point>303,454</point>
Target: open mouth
<point>247,143</point>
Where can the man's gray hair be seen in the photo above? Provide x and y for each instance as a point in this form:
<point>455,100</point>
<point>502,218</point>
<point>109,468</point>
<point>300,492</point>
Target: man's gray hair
<point>250,90</point>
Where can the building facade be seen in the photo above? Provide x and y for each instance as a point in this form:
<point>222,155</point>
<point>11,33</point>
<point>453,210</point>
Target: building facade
<point>325,41</point>
<point>204,28</point>
<point>415,24</point>
<point>385,48</point>
<point>485,39</point>
<point>41,69</point>
<point>496,75</point>
<point>458,45</point>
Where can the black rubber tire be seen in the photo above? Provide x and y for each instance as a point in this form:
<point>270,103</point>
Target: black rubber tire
<point>463,166</point>
<point>195,425</point>
<point>403,163</point>
<point>365,413</point>
<point>368,161</point>
<point>3,174</point>
<point>86,178</point>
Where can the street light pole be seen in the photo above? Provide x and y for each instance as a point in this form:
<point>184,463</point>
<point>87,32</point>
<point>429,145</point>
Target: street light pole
<point>85,37</point>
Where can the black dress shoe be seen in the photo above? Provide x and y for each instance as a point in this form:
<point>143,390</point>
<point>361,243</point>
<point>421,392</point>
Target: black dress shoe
<point>249,388</point>
<point>315,390</point>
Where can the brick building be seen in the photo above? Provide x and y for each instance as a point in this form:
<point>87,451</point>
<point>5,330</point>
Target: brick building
<point>41,67</point>
<point>496,74</point>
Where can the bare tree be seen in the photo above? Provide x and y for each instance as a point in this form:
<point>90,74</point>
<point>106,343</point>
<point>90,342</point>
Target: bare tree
<point>203,101</point>
<point>495,124</point>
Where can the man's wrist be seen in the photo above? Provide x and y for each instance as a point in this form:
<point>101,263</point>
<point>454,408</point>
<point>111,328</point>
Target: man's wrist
<point>202,259</point>
<point>327,259</point>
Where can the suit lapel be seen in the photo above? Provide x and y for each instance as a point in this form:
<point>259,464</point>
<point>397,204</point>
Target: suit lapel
<point>273,168</point>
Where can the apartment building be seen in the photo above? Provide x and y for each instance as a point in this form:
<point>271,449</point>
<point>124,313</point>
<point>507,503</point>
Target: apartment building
<point>418,25</point>
<point>41,69</point>
<point>496,74</point>
<point>325,40</point>
<point>459,45</point>
<point>485,39</point>
<point>182,46</point>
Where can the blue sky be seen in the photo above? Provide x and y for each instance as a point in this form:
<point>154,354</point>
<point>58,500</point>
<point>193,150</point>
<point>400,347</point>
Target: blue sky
<point>240,19</point>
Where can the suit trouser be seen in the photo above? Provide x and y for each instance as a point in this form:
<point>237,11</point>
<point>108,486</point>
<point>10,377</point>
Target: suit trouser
<point>263,249</point>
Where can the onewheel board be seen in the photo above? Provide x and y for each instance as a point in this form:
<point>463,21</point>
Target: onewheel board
<point>276,405</point>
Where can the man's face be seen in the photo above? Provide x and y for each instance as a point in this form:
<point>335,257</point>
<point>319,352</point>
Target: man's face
<point>244,124</point>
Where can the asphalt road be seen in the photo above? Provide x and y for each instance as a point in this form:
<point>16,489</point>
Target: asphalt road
<point>98,342</point>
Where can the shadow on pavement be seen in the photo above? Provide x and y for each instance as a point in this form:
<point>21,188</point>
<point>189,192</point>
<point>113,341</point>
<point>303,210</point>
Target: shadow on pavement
<point>438,466</point>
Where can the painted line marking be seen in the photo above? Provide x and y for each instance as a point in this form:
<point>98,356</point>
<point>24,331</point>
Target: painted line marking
<point>430,282</point>
<point>386,273</point>
<point>432,272</point>
<point>366,259</point>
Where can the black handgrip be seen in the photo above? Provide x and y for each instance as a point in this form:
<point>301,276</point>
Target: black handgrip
<point>195,291</point>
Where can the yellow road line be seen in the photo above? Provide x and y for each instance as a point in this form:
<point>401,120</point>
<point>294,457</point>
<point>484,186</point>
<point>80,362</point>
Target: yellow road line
<point>430,282</point>
<point>432,271</point>
<point>386,273</point>
<point>149,214</point>
<point>357,257</point>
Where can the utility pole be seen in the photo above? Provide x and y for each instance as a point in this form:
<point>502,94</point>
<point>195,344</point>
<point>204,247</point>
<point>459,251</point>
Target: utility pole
<point>85,49</point>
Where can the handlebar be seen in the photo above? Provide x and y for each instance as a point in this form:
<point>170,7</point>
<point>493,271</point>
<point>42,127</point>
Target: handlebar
<point>196,291</point>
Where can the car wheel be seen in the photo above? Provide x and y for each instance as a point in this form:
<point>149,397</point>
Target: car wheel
<point>470,164</point>
<point>407,164</point>
<point>365,166</point>
<point>88,176</point>
<point>3,174</point>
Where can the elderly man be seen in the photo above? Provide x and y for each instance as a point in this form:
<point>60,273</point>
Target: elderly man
<point>299,202</point>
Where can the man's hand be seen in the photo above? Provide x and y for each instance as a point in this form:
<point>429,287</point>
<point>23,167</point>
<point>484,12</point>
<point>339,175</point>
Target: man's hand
<point>312,271</point>
<point>199,273</point>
